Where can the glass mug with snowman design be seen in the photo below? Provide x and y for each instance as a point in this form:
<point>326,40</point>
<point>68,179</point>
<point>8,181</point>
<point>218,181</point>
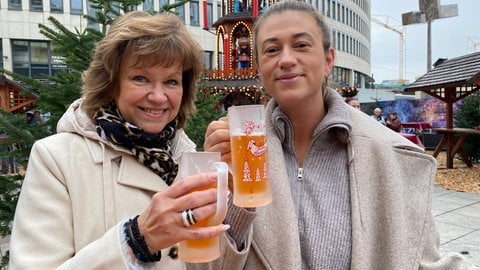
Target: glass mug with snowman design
<point>249,167</point>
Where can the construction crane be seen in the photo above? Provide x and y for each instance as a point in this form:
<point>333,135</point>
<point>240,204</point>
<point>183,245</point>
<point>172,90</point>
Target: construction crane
<point>401,33</point>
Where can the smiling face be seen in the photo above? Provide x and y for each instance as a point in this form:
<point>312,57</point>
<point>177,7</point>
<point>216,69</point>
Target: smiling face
<point>292,62</point>
<point>150,97</point>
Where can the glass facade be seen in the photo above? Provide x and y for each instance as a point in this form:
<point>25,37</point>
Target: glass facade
<point>350,33</point>
<point>76,7</point>
<point>350,36</point>
<point>34,59</point>
<point>210,12</point>
<point>208,59</point>
<point>36,5</point>
<point>180,10</point>
<point>148,4</point>
<point>15,4</point>
<point>91,12</point>
<point>162,3</point>
<point>1,53</point>
<point>194,13</point>
<point>56,5</point>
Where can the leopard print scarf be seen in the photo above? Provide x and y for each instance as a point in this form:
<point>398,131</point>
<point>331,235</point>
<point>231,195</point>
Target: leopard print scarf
<point>152,150</point>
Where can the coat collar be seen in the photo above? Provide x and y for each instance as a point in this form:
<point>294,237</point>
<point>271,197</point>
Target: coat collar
<point>130,171</point>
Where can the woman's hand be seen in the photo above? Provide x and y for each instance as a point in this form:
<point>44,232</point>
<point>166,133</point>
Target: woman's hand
<point>217,139</point>
<point>161,224</point>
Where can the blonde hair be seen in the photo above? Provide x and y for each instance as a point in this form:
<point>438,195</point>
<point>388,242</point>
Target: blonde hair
<point>152,40</point>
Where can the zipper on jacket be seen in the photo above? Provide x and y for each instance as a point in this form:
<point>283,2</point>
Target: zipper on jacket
<point>300,174</point>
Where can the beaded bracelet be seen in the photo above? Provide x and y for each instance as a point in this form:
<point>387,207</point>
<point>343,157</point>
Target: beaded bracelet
<point>137,242</point>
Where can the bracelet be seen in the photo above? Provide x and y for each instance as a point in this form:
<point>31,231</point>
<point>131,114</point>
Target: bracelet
<point>137,242</point>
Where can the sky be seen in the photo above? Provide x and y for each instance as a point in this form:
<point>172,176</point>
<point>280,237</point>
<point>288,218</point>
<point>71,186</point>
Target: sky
<point>451,37</point>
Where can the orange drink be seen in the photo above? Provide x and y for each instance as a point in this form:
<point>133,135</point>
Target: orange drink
<point>248,142</point>
<point>206,249</point>
<point>250,171</point>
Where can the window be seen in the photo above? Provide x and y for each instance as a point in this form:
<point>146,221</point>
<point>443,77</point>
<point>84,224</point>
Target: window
<point>162,3</point>
<point>334,39</point>
<point>334,11</point>
<point>180,11</point>
<point>76,7</point>
<point>91,12</point>
<point>194,13</point>
<point>210,11</point>
<point>56,5</point>
<point>15,4</point>
<point>208,59</point>
<point>220,59</point>
<point>1,54</point>
<point>39,59</point>
<point>148,4</point>
<point>57,62</point>
<point>20,58</point>
<point>36,5</point>
<point>339,38</point>
<point>328,8</point>
<point>34,59</point>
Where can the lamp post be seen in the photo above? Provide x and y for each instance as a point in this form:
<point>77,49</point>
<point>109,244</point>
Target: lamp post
<point>429,10</point>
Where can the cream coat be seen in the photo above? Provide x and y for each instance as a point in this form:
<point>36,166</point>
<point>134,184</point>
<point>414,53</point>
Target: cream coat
<point>76,192</point>
<point>391,184</point>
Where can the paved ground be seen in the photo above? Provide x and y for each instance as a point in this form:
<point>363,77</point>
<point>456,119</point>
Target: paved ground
<point>457,215</point>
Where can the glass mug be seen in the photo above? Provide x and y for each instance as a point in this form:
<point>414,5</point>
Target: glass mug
<point>251,179</point>
<point>208,249</point>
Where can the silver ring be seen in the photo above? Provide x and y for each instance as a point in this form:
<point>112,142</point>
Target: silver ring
<point>188,218</point>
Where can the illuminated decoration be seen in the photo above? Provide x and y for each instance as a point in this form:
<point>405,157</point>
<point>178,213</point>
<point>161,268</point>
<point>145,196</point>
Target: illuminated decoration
<point>347,91</point>
<point>233,81</point>
<point>234,74</point>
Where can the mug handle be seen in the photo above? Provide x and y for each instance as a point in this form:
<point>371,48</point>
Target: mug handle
<point>222,191</point>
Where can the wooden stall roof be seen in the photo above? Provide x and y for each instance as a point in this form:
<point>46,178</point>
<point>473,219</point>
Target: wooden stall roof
<point>12,98</point>
<point>447,73</point>
<point>450,81</point>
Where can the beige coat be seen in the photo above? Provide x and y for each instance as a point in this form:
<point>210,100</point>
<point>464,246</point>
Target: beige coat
<point>75,194</point>
<point>391,184</point>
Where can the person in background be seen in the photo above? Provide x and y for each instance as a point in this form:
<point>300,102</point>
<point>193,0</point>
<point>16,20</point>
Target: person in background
<point>347,193</point>
<point>377,115</point>
<point>38,117</point>
<point>104,193</point>
<point>30,118</point>
<point>353,102</point>
<point>393,122</point>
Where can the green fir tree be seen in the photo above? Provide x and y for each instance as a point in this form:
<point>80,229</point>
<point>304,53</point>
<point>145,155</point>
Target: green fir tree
<point>468,116</point>
<point>55,94</point>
